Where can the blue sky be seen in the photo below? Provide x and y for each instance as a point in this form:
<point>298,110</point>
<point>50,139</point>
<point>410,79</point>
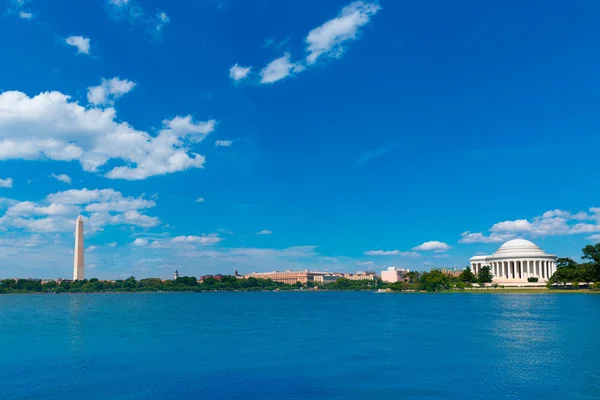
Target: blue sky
<point>219,135</point>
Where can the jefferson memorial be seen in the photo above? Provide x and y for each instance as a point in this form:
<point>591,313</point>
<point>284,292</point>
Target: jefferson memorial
<point>515,261</point>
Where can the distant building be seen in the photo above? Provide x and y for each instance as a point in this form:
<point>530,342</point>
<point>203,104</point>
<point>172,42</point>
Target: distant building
<point>361,276</point>
<point>451,271</point>
<point>393,274</point>
<point>326,278</point>
<point>289,277</point>
<point>216,277</point>
<point>176,274</point>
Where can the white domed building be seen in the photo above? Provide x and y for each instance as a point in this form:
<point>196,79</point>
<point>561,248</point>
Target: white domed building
<point>516,261</point>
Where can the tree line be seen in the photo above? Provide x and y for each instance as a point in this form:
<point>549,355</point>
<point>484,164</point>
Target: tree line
<point>569,273</point>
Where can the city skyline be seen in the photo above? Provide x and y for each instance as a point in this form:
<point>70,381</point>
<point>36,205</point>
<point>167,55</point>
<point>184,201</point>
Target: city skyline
<point>251,136</point>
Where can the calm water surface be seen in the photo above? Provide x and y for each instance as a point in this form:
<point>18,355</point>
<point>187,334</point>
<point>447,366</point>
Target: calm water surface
<point>300,346</point>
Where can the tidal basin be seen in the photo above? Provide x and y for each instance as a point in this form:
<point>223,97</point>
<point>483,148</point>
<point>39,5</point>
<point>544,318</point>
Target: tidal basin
<point>349,345</point>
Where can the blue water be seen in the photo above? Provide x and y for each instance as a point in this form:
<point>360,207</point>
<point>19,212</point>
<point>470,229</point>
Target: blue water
<point>300,346</point>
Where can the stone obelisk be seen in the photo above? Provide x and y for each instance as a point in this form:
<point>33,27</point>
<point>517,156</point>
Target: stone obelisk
<point>78,261</point>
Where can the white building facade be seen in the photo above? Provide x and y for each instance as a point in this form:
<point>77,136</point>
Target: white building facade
<point>516,261</point>
<point>393,274</point>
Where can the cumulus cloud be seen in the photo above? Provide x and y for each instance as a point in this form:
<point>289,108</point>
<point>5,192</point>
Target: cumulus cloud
<point>6,183</point>
<point>237,72</point>
<point>62,178</point>
<point>25,15</point>
<point>58,211</point>
<point>223,143</point>
<point>551,223</point>
<point>330,38</point>
<point>433,246</point>
<point>82,43</point>
<point>140,242</point>
<point>51,126</point>
<point>200,200</point>
<point>264,232</point>
<point>392,253</point>
<point>109,90</point>
<point>279,69</point>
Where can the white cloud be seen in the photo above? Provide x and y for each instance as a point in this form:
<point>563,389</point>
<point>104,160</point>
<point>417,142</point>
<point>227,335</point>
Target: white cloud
<point>51,126</point>
<point>158,24</point>
<point>278,69</point>
<point>82,43</point>
<point>477,237</point>
<point>109,90</point>
<point>129,10</point>
<point>6,183</point>
<point>179,242</point>
<point>200,200</point>
<point>204,240</point>
<point>57,212</point>
<point>329,39</point>
<point>223,143</point>
<point>237,72</point>
<point>264,232</point>
<point>550,223</point>
<point>113,244</point>
<point>433,245</point>
<point>140,242</point>
<point>364,263</point>
<point>595,238</point>
<point>91,248</point>
<point>392,253</point>
<point>27,208</point>
<point>25,15</point>
<point>63,178</point>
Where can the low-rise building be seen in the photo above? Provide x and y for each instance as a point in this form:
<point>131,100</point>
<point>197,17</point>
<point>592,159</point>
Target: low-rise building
<point>289,277</point>
<point>393,274</point>
<point>451,271</point>
<point>323,279</point>
<point>361,276</point>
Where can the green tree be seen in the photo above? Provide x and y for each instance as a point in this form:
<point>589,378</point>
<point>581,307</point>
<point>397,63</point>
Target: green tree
<point>565,262</point>
<point>592,254</point>
<point>398,286</point>
<point>485,275</point>
<point>467,276</point>
<point>434,281</point>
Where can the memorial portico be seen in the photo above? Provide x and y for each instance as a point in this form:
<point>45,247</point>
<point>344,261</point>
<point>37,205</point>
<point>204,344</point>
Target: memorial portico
<point>516,261</point>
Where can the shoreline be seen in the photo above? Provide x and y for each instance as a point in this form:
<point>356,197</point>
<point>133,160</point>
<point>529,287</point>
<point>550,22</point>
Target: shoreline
<point>539,290</point>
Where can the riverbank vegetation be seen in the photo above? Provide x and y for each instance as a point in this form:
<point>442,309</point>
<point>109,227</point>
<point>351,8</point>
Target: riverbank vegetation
<point>569,275</point>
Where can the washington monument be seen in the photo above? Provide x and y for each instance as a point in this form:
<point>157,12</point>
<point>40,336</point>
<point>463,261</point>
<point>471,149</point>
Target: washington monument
<point>78,261</point>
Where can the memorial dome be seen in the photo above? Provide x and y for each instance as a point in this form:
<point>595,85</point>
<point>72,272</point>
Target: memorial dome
<point>519,247</point>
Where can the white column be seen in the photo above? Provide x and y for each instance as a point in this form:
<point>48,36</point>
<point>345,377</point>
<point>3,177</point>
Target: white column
<point>543,269</point>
